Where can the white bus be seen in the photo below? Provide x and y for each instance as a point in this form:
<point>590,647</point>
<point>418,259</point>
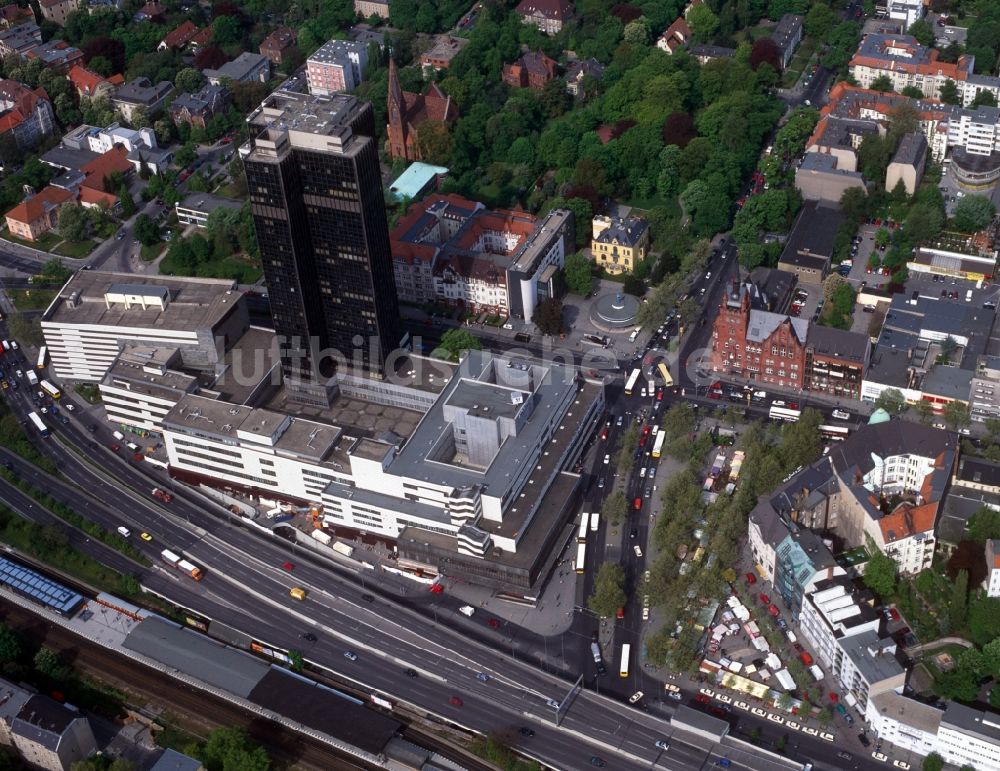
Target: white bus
<point>581,557</point>
<point>42,353</point>
<point>50,389</point>
<point>623,668</point>
<point>783,413</point>
<point>836,433</point>
<point>37,421</point>
<point>581,536</point>
<point>658,444</point>
<point>595,519</point>
<point>630,384</point>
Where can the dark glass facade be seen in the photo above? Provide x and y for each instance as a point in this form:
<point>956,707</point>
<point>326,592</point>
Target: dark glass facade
<point>316,198</point>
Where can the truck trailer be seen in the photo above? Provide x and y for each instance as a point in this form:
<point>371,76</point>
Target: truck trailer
<point>177,562</point>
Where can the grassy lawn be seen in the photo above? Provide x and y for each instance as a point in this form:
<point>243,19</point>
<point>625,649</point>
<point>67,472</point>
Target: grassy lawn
<point>229,191</point>
<point>45,243</point>
<point>78,249</point>
<point>32,299</point>
<point>150,253</point>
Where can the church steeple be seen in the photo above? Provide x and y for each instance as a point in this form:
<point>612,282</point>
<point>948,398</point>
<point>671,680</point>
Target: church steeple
<point>395,103</point>
<point>396,113</point>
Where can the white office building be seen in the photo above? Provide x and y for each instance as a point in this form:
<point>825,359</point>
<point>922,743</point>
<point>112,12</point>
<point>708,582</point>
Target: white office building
<point>906,11</point>
<point>906,723</point>
<point>96,314</point>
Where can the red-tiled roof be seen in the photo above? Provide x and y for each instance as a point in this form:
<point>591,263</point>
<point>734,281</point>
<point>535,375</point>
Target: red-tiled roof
<point>203,38</point>
<point>95,197</point>
<point>107,163</point>
<point>25,101</point>
<point>36,206</point>
<point>180,37</point>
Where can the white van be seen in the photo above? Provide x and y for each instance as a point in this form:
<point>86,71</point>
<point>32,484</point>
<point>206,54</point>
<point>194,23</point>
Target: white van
<point>634,334</point>
<point>968,296</point>
<point>132,446</point>
<point>123,531</point>
<point>467,610</point>
<point>791,637</point>
<point>119,436</point>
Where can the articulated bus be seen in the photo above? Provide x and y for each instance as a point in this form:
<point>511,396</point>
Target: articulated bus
<point>665,374</point>
<point>783,413</point>
<point>581,557</point>
<point>37,422</point>
<point>623,669</point>
<point>50,389</point>
<point>42,353</point>
<point>581,537</point>
<point>658,444</point>
<point>631,382</point>
<point>836,433</point>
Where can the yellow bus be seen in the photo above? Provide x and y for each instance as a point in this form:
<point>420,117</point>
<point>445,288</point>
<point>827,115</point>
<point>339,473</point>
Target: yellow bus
<point>665,374</point>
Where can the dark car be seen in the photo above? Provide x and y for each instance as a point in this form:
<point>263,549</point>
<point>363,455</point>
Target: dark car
<point>865,741</point>
<point>308,636</point>
<point>411,673</point>
<point>527,731</point>
<point>368,597</point>
<point>596,761</point>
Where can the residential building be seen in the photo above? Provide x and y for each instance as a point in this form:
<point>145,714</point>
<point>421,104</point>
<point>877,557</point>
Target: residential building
<point>809,247</point>
<point>336,66</point>
<point>245,68</point>
<point>12,15</point>
<point>576,74</point>
<point>832,611</point>
<point>57,11</point>
<point>480,490</point>
<point>328,263</point>
<point>172,760</point>
<point>907,63</point>
<point>787,36</point>
<point>57,55</point>
<point>91,85</point>
<point>141,93</point>
<point>156,160</point>
<point>992,582</point>
<point>548,15</point>
<point>17,41</point>
<point>279,44</point>
<point>677,35</point>
<point>835,361</point>
<point>179,38</point>
<point>12,698</point>
<point>153,11</point>
<point>819,178</point>
<point>532,70</point>
<point>368,8</point>
<point>408,111</point>
<point>202,39</point>
<point>96,313</point>
<point>50,735</point>
<point>707,53</point>
<point>907,165</point>
<point>26,114</point>
<point>619,244</point>
<point>439,55</point>
<point>199,108</point>
<point>906,11</point>
<point>93,6</point>
<point>455,251</point>
<point>103,140</point>
<point>196,208</point>
<point>37,214</point>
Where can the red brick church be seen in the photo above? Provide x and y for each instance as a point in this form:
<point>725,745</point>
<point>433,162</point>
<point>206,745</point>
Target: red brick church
<point>408,111</point>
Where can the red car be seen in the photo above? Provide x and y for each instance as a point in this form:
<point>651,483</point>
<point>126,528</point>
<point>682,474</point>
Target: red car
<point>894,614</point>
<point>642,441</point>
<point>620,613</point>
<point>701,698</point>
<point>806,659</point>
<point>494,623</point>
<point>288,566</point>
<point>138,457</point>
<point>773,610</point>
<point>765,599</point>
<point>604,434</point>
<point>659,394</point>
<point>184,176</point>
<point>225,140</point>
<point>751,579</point>
<point>455,701</point>
<point>436,589</point>
<point>637,504</point>
<point>646,430</point>
<point>114,447</point>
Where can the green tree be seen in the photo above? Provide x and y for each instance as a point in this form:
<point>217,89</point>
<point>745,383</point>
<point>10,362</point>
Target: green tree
<point>146,231</point>
<point>225,31</point>
<point>913,92</point>
<point>984,525</point>
<point>26,329</point>
<point>984,99</point>
<point>949,93</point>
<point>128,204</point>
<point>295,661</point>
<point>188,80</point>
<point>615,508</point>
<point>186,155</point>
<point>972,213</point>
<point>548,316</point>
<point>819,21</point>
<point>55,271</point>
<point>609,590</point>
<point>922,30</point>
<point>984,619</point>
<point>637,32</point>
<point>50,664</point>
<point>933,762</point>
<point>703,22</point>
<point>924,412</point>
<point>456,341</point>
<point>959,599</point>
<point>231,749</point>
<point>956,415</point>
<point>882,83</point>
<point>579,277</point>
<point>892,401</point>
<point>880,573</point>
<point>73,222</point>
<point>10,645</point>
